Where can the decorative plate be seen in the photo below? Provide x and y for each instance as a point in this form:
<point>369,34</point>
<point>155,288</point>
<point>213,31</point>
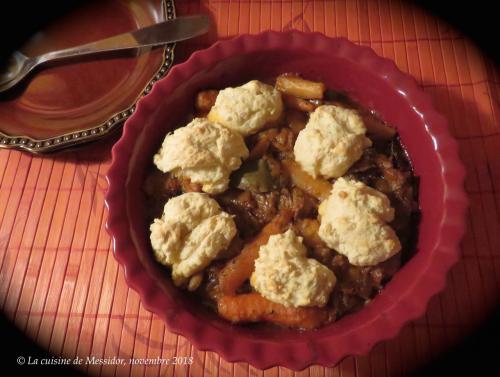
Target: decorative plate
<point>73,103</point>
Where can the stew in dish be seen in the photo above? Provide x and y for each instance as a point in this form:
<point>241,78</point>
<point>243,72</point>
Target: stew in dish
<point>282,202</point>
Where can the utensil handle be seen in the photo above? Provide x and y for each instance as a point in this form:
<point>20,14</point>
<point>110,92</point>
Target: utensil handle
<point>158,34</point>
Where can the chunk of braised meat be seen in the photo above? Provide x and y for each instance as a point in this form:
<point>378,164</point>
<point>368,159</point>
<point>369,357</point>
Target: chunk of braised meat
<point>280,176</point>
<point>357,285</point>
<point>398,155</point>
<point>259,143</point>
<point>343,302</point>
<point>266,206</point>
<point>354,286</point>
<point>278,142</point>
<point>159,188</point>
<point>389,267</point>
<point>305,205</point>
<point>161,184</point>
<point>188,186</point>
<point>398,187</point>
<point>382,161</point>
<point>283,143</point>
<point>370,167</point>
<point>339,263</point>
<point>302,204</point>
<point>210,288</point>
<point>239,203</point>
<point>365,163</point>
<point>252,210</point>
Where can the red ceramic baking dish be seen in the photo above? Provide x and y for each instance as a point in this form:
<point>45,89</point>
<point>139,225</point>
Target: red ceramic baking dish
<point>377,84</point>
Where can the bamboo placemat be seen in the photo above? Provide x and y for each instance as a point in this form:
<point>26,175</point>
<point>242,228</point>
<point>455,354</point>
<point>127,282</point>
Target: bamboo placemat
<point>60,284</point>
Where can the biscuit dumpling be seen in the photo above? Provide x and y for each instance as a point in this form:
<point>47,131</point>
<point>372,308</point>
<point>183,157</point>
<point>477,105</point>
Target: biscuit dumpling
<point>354,222</point>
<point>285,275</point>
<point>247,108</point>
<point>205,152</point>
<point>192,231</point>
<point>332,141</point>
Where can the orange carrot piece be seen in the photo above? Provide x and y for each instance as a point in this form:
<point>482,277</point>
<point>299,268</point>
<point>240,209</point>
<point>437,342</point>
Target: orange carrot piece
<point>296,120</point>
<point>308,229</point>
<point>299,87</point>
<point>297,103</point>
<point>317,187</point>
<point>240,268</point>
<point>252,307</point>
<point>376,129</point>
<point>205,100</point>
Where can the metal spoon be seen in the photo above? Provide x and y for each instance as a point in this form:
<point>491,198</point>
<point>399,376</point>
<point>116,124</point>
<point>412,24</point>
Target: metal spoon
<point>161,33</point>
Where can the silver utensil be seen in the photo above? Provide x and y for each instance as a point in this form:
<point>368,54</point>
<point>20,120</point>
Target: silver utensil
<point>176,30</point>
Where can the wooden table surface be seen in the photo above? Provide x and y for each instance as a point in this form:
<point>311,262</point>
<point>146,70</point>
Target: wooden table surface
<point>60,284</point>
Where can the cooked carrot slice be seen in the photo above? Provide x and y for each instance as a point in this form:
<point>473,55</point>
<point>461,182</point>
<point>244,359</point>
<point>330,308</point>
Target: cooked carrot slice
<point>240,268</point>
<point>205,100</point>
<point>308,229</point>
<point>297,103</point>
<point>296,120</point>
<point>317,187</point>
<point>298,87</point>
<point>376,129</point>
<point>252,307</point>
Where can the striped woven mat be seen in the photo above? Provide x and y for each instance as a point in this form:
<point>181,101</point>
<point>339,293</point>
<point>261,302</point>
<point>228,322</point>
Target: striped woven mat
<point>60,284</point>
